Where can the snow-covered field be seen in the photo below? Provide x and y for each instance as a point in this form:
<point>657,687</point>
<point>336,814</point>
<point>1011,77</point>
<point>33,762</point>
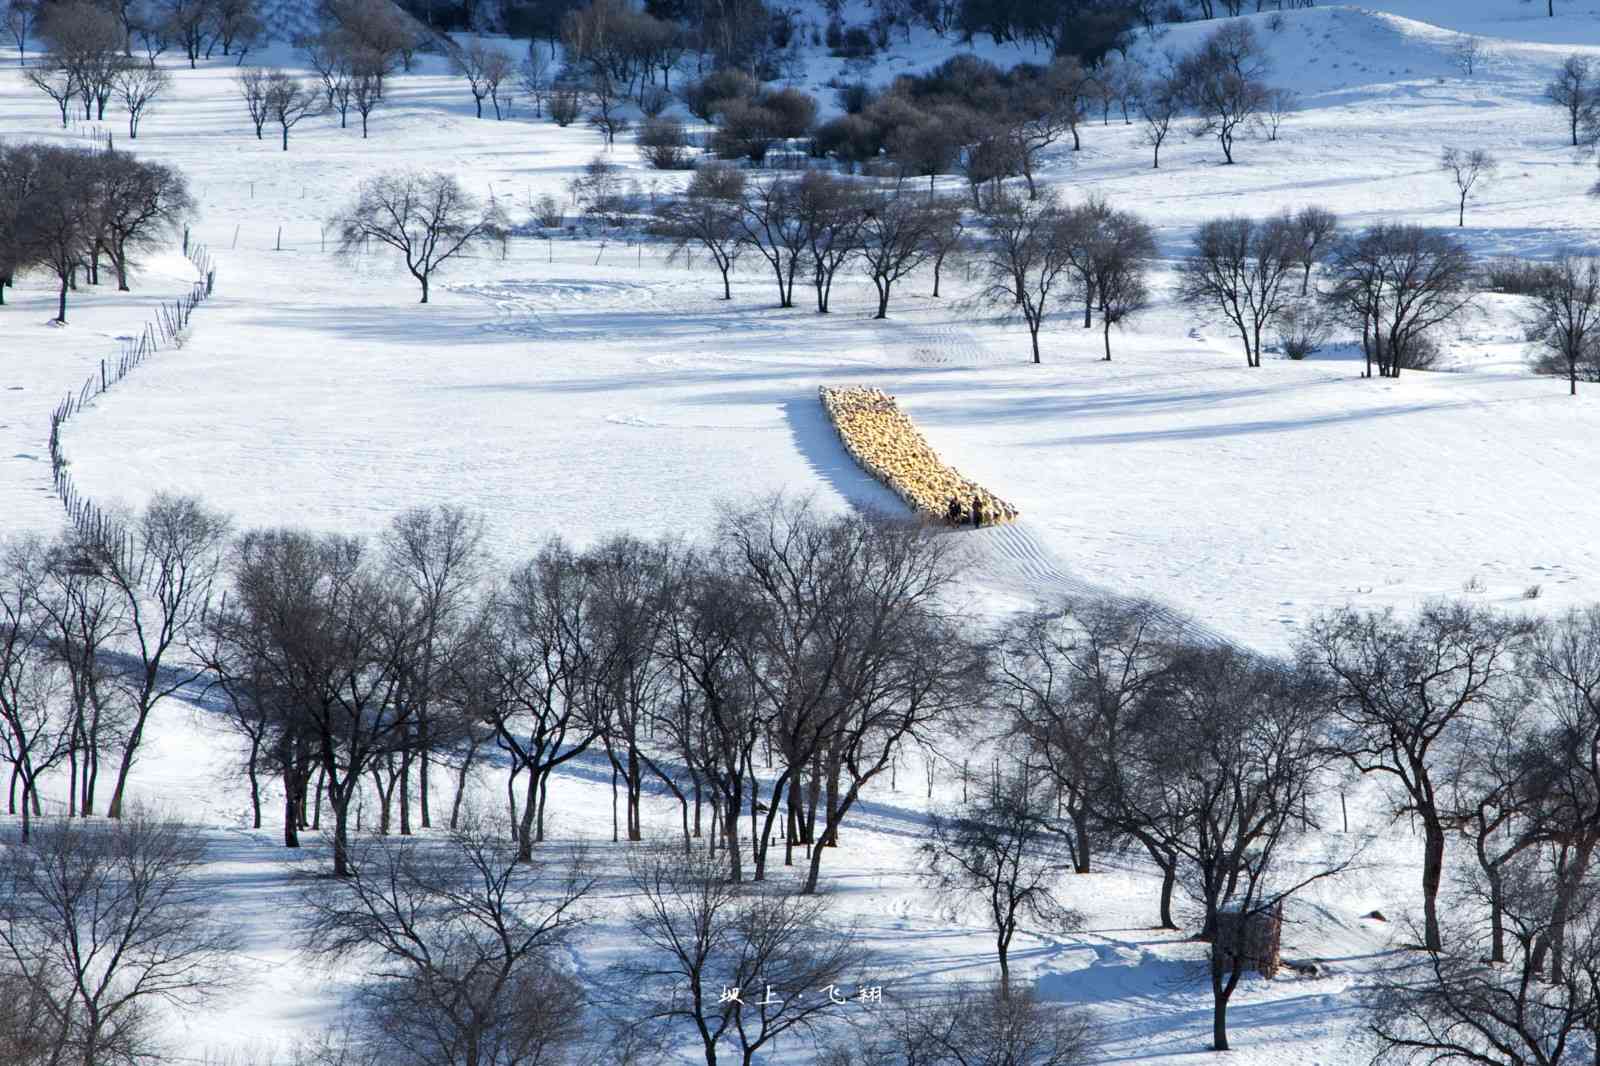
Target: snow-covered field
<point>584,388</point>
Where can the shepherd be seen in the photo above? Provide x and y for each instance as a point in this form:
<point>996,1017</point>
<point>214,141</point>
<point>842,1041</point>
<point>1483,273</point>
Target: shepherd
<point>952,514</point>
<point>977,512</point>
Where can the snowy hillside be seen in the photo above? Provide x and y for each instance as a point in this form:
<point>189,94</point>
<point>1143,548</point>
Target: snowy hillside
<point>586,385</point>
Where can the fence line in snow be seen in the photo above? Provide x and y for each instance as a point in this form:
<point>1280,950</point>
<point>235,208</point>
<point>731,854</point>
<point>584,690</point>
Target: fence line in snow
<point>164,331</point>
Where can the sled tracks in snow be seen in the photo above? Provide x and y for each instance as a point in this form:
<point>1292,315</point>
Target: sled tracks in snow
<point>1011,558</point>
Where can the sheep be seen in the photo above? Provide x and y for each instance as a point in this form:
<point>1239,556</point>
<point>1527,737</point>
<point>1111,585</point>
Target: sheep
<point>885,442</point>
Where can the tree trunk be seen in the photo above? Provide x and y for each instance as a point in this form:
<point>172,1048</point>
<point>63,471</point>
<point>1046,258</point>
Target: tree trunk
<point>424,794</point>
<point>1080,829</point>
<point>126,767</point>
<point>525,825</point>
<point>255,783</point>
<point>341,826</point>
<point>1432,871</point>
<point>1002,948</point>
<point>1219,1011</point>
<point>292,805</point>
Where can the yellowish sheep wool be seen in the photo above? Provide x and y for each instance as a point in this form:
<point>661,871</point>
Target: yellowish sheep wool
<point>886,443</point>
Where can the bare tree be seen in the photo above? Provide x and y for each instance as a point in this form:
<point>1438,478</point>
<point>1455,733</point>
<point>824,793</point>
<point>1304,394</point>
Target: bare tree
<point>163,565</point>
<point>1239,268</point>
<point>84,620</point>
<point>86,41</point>
<point>1466,168</point>
<point>896,239</point>
<point>1002,850</point>
<point>1119,251</point>
<point>1027,257</point>
<point>289,101</point>
<point>1078,676</point>
<point>1575,92</point>
<point>664,144</point>
<point>56,82</point>
<point>1566,320</point>
<point>106,922</point>
<point>1276,107</point>
<point>1398,284</point>
<point>328,55</point>
<point>1455,1005</point>
<point>534,76</point>
<point>238,27</point>
<point>140,204</point>
<point>988,156</point>
<point>862,659</point>
<point>610,101</point>
<point>771,223</point>
<point>20,16</point>
<point>707,216</point>
<point>1222,82</point>
<point>1316,228</point>
<point>947,235</point>
<point>378,29</point>
<point>741,966</point>
<point>486,67</point>
<point>151,33</point>
<point>427,217</point>
<point>138,85</point>
<point>463,947</point>
<point>1161,103</point>
<point>832,214</point>
<point>1040,115</point>
<point>531,675</point>
<point>704,644</point>
<point>367,82</point>
<point>1470,53</point>
<point>332,637</point>
<point>57,225</point>
<point>189,22</point>
<point>1240,743</point>
<point>252,87</point>
<point>1406,692</point>
<point>34,732</point>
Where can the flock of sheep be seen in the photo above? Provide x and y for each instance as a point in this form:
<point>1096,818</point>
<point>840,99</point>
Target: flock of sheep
<point>887,445</point>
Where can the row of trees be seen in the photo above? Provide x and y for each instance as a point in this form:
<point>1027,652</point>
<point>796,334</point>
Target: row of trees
<point>346,666</point>
<point>86,65</point>
<point>1038,253</point>
<point>778,670</point>
<point>92,640</point>
<point>463,947</point>
<point>1213,763</point>
<point>968,117</point>
<point>1394,284</point>
<point>199,28</point>
<point>63,211</point>
<point>812,225</point>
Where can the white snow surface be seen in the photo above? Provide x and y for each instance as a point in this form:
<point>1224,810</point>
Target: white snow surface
<point>586,387</point>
